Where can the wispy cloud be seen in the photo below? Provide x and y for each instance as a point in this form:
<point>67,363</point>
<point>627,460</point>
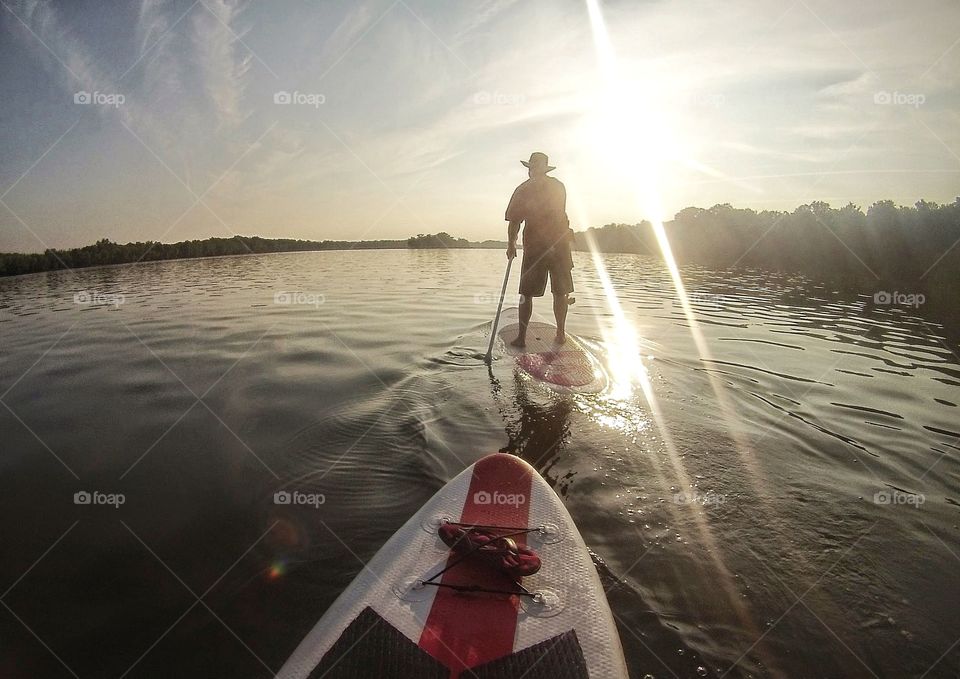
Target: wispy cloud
<point>443,99</point>
<point>223,65</point>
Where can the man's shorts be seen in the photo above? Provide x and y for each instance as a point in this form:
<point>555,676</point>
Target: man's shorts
<point>537,264</point>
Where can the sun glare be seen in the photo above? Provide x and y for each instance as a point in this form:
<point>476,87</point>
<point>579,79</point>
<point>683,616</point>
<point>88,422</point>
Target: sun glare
<point>630,133</point>
<point>630,128</point>
<point>620,340</point>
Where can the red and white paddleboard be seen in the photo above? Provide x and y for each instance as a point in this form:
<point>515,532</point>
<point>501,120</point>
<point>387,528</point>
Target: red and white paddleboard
<point>566,368</point>
<point>388,624</point>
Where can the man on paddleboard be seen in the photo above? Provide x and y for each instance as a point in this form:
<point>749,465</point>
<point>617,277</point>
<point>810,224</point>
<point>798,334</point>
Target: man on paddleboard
<point>541,204</point>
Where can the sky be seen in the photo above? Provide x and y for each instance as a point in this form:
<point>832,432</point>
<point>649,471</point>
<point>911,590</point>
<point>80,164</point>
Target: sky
<point>179,119</point>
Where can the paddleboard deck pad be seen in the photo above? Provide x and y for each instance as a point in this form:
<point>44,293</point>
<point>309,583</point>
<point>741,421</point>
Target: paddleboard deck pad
<point>567,367</point>
<point>420,610</point>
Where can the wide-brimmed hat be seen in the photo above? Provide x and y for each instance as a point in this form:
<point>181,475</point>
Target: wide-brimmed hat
<point>537,161</point>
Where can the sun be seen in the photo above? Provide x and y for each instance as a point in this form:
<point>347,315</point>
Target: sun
<point>629,126</point>
<point>630,133</point>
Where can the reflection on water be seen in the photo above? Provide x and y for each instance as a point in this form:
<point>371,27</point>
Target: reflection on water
<point>537,431</point>
<point>811,455</point>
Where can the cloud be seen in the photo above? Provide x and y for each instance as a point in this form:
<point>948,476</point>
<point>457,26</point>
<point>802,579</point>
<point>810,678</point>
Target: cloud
<point>482,14</point>
<point>223,65</point>
<point>64,54</point>
<point>152,24</point>
<point>447,99</point>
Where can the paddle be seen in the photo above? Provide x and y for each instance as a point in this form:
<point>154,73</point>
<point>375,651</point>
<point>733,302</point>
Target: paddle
<point>496,319</point>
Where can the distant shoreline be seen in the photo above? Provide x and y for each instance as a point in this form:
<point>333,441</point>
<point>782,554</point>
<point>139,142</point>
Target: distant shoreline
<point>105,252</point>
<point>886,251</point>
<point>243,254</point>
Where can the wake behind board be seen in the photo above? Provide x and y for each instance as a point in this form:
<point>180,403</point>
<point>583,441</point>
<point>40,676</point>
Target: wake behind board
<point>566,367</point>
<point>472,621</point>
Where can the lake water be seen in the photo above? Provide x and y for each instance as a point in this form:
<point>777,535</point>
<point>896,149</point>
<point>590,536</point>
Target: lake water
<point>769,485</point>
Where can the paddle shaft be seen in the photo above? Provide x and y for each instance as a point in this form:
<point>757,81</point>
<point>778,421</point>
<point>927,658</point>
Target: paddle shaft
<point>496,319</point>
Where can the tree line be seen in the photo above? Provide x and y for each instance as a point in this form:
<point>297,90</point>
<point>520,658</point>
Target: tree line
<point>912,249</point>
<point>445,240</point>
<point>886,247</point>
<point>105,251</point>
<point>886,242</point>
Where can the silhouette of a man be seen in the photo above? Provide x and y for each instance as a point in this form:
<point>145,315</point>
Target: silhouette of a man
<point>541,204</point>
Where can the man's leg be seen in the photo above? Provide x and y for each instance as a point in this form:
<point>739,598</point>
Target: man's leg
<point>561,285</point>
<point>526,311</point>
<point>560,313</point>
<point>533,281</point>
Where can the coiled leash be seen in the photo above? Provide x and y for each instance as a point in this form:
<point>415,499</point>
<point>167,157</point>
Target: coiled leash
<point>487,545</point>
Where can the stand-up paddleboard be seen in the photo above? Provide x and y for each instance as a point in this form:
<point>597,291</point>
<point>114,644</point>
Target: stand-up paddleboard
<point>420,609</point>
<point>566,367</point>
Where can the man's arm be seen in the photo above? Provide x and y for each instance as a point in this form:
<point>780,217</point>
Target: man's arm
<point>513,230</point>
<point>516,212</point>
<point>563,203</point>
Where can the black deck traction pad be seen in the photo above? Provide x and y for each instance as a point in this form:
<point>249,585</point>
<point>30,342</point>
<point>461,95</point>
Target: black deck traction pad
<point>559,657</point>
<point>370,647</point>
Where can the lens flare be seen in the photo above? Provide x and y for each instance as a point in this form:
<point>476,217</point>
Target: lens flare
<point>633,130</point>
<point>277,570</point>
<point>621,340</point>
